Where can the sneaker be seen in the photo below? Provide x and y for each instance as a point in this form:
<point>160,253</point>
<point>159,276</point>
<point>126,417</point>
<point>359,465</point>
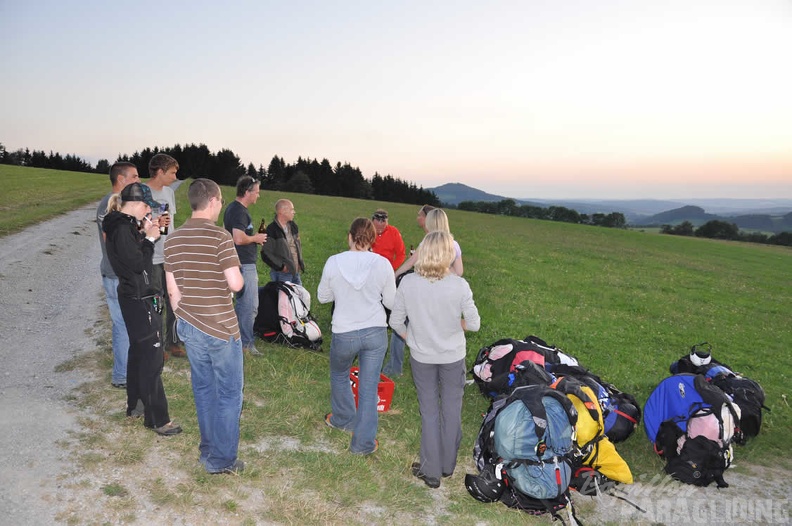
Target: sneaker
<point>253,351</point>
<point>235,469</point>
<point>121,385</point>
<point>168,429</point>
<point>138,411</point>
<point>376,447</point>
<point>432,482</point>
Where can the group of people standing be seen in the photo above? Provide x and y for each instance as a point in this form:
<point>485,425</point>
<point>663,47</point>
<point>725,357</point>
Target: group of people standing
<point>191,275</point>
<point>439,305</point>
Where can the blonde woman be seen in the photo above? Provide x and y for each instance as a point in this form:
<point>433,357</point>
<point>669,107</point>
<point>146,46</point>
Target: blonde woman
<point>130,251</point>
<point>431,219</point>
<point>440,307</point>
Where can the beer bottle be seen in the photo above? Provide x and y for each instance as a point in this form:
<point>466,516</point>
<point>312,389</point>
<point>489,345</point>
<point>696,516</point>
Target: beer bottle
<point>165,211</point>
<point>263,227</point>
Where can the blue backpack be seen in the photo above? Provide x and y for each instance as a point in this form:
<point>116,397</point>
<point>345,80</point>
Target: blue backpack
<point>529,439</point>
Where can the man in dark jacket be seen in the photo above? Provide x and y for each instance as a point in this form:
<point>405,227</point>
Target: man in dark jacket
<point>283,252</point>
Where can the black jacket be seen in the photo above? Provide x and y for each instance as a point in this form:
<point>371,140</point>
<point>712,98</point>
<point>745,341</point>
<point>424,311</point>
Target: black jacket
<point>275,251</point>
<point>130,255</point>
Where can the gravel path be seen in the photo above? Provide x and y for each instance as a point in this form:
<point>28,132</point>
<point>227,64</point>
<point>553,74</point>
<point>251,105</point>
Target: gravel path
<point>50,296</point>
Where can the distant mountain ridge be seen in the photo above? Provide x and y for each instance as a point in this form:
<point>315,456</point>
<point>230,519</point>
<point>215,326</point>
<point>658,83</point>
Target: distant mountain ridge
<point>772,215</point>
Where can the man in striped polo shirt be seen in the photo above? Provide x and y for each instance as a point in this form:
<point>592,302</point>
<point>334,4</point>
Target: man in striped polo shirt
<point>202,273</point>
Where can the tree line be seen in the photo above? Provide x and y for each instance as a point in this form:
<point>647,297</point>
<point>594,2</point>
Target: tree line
<point>308,176</point>
<point>509,207</point>
<point>724,230</point>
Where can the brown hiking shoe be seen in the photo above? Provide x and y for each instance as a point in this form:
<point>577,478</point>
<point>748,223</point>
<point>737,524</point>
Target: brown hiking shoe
<point>177,351</point>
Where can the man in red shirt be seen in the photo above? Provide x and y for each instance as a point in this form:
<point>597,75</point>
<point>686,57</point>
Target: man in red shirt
<point>389,243</point>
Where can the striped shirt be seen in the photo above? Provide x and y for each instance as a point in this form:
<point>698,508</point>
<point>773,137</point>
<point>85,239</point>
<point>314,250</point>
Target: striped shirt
<point>197,254</point>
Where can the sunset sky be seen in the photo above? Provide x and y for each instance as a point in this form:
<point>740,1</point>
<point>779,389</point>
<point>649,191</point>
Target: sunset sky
<point>528,99</point>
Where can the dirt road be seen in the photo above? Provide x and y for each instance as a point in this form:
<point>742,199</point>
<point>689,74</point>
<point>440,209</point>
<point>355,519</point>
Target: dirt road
<point>50,299</point>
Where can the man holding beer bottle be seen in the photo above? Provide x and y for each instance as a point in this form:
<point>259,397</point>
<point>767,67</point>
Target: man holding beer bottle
<point>162,171</point>
<point>239,224</point>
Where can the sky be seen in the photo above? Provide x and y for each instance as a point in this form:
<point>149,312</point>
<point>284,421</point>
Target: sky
<point>528,99</point>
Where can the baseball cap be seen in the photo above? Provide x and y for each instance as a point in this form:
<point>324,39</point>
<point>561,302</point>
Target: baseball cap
<point>138,192</point>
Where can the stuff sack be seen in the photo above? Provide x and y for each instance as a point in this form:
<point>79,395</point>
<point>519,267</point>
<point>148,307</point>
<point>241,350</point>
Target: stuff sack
<point>621,412</point>
<point>503,366</point>
<point>523,451</point>
<point>595,450</point>
<point>746,393</point>
<point>692,425</point>
<point>284,316</point>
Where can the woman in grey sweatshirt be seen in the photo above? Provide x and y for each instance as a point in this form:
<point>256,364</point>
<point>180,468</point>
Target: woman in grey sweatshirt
<point>440,307</point>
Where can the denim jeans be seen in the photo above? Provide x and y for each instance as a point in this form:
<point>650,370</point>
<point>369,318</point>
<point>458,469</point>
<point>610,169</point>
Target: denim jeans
<point>369,346</point>
<point>246,306</point>
<point>217,381</point>
<point>395,363</point>
<point>276,275</point>
<point>120,336</point>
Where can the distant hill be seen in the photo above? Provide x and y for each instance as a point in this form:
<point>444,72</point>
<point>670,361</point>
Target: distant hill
<point>753,214</point>
<point>455,193</point>
<point>697,217</point>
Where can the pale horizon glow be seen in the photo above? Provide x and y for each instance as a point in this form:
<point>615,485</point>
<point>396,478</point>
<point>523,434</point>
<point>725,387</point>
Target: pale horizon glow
<point>528,99</point>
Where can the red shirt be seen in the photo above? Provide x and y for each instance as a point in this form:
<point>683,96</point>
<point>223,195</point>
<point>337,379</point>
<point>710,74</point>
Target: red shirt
<point>390,245</point>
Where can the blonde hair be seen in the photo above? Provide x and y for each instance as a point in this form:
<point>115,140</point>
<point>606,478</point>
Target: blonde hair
<point>114,203</point>
<point>435,255</point>
<point>437,219</point>
<point>363,232</point>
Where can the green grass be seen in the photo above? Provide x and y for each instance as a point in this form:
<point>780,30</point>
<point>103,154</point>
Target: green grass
<point>32,195</point>
<point>625,303</point>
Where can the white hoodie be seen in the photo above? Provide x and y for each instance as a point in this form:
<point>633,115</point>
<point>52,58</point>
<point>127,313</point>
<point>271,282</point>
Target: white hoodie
<point>360,283</point>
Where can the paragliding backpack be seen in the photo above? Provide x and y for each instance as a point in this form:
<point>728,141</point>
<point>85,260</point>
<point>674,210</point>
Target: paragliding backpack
<point>621,412</point>
<point>284,316</point>
<point>692,425</point>
<point>501,367</point>
<point>527,440</point>
<point>746,393</point>
<point>596,464</point>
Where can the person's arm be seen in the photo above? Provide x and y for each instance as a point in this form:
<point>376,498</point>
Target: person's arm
<point>398,248</point>
<point>471,320</point>
<point>325,293</point>
<point>407,265</point>
<point>241,238</point>
<point>457,267</point>
<point>234,279</point>
<point>399,315</point>
<point>173,290</point>
<point>389,292</point>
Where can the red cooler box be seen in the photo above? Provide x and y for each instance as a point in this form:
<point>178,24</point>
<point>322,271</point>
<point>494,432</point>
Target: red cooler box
<point>384,390</point>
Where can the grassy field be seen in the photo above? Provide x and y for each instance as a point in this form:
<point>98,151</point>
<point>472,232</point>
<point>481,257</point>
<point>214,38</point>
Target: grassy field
<point>625,303</point>
<point>32,195</point>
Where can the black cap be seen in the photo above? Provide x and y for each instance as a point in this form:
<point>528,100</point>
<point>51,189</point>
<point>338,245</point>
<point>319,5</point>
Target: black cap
<point>138,192</point>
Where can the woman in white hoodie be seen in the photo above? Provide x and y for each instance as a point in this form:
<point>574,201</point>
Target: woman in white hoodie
<point>361,283</point>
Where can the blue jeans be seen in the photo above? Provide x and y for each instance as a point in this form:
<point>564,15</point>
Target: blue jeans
<point>276,275</point>
<point>120,336</point>
<point>369,346</point>
<point>217,382</point>
<point>393,367</point>
<point>246,306</point>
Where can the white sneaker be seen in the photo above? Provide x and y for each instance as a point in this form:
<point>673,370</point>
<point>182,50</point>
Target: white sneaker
<point>253,351</point>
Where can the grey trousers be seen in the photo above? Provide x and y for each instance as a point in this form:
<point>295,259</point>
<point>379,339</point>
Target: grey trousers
<point>440,388</point>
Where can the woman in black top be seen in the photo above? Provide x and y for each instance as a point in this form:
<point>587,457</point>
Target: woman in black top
<point>130,253</point>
